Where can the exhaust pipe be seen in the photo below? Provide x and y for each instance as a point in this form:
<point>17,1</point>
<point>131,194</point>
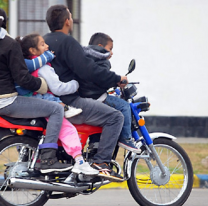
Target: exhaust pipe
<point>38,185</point>
<point>99,184</point>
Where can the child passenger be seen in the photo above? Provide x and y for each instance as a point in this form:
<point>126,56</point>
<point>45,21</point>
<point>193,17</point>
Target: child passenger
<point>33,45</point>
<point>100,49</point>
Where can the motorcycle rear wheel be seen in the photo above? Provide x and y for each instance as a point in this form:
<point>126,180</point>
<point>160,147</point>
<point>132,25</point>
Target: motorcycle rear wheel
<point>9,153</point>
<point>176,190</point>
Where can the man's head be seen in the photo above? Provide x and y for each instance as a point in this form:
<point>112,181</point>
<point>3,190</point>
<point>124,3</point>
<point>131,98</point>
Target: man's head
<point>3,18</point>
<point>59,17</point>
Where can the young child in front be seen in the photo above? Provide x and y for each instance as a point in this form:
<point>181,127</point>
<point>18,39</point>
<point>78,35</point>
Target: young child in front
<point>33,45</point>
<point>100,49</point>
<point>44,56</point>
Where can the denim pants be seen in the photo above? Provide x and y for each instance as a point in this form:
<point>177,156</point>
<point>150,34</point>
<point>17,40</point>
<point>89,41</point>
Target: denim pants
<point>98,114</point>
<point>29,107</point>
<point>47,96</point>
<point>124,107</point>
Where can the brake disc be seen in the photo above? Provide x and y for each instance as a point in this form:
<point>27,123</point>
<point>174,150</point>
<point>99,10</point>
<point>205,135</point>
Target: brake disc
<point>158,178</point>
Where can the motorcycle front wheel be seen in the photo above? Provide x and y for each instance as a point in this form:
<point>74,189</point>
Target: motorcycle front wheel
<point>147,188</point>
<point>11,166</point>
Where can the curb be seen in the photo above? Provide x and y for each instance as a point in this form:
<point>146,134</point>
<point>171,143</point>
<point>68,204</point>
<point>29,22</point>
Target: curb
<point>199,181</point>
<point>202,180</point>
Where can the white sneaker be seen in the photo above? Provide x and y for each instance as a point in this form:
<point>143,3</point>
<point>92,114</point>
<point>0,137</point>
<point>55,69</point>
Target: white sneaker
<point>84,168</point>
<point>72,112</point>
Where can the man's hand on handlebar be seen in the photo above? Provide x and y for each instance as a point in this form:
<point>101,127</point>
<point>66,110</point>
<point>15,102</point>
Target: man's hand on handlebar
<point>123,82</point>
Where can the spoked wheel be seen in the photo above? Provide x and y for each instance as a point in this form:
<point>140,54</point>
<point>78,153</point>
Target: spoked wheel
<point>151,188</point>
<point>13,165</point>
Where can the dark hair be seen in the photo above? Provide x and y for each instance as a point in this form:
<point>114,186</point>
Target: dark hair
<point>3,20</point>
<point>56,16</point>
<point>100,38</point>
<point>30,40</point>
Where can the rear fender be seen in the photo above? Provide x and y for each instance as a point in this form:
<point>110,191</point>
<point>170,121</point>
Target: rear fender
<point>4,132</point>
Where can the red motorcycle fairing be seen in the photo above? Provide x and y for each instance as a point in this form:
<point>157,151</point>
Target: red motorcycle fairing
<point>84,130</point>
<point>6,124</point>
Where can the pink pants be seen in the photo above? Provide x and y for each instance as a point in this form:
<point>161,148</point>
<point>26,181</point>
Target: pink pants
<point>70,139</point>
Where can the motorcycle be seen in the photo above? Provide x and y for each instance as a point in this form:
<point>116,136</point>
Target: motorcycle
<point>161,175</point>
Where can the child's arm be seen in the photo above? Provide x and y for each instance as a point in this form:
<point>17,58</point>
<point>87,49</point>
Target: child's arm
<point>33,64</point>
<point>54,84</point>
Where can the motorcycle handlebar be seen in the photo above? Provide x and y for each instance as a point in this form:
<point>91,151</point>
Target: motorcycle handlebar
<point>123,82</point>
<point>134,83</point>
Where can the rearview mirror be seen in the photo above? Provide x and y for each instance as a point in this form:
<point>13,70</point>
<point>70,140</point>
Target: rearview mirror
<point>132,66</point>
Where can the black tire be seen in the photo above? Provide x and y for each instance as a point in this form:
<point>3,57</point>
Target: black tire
<point>144,191</point>
<point>9,153</point>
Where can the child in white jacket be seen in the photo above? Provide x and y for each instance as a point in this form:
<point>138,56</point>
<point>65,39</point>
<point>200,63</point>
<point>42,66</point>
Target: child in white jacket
<point>37,65</point>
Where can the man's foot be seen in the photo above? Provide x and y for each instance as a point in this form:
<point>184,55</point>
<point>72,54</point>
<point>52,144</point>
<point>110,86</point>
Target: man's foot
<point>53,165</point>
<point>72,111</point>
<point>106,172</point>
<point>84,168</point>
<point>50,163</point>
<point>129,145</point>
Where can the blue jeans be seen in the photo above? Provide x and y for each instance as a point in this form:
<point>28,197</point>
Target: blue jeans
<point>124,107</point>
<point>29,107</point>
<point>48,96</point>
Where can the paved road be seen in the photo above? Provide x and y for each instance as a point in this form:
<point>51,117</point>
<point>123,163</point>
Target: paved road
<point>121,197</point>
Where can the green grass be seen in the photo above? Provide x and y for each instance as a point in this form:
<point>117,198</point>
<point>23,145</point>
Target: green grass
<point>196,153</point>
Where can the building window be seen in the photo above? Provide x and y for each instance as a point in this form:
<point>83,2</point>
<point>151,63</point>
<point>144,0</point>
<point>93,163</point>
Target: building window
<point>31,16</point>
<point>75,8</point>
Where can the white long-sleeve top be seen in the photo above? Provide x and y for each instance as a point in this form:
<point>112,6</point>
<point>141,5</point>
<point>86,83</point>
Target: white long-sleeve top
<point>54,84</point>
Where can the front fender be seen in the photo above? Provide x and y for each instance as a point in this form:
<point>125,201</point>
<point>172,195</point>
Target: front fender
<point>155,135</point>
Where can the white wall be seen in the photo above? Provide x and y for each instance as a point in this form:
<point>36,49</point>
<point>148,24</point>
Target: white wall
<point>168,39</point>
<point>13,13</point>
